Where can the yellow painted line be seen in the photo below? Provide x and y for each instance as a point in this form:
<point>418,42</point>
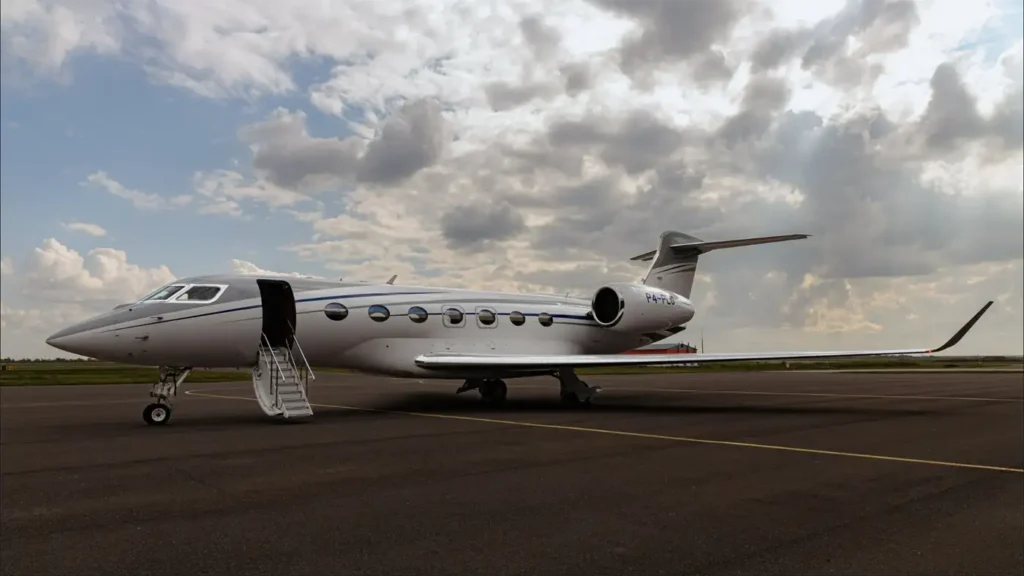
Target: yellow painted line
<point>646,436</point>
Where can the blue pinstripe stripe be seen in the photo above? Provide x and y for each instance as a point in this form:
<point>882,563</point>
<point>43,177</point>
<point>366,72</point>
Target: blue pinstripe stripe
<point>337,297</point>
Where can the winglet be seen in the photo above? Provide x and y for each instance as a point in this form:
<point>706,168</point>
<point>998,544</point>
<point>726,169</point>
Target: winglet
<point>963,331</point>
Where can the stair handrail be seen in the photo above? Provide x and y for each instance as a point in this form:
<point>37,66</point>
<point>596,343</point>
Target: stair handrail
<point>265,361</point>
<point>280,372</point>
<point>309,369</point>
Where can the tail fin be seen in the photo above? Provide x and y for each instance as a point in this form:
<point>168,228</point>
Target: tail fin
<point>674,263</point>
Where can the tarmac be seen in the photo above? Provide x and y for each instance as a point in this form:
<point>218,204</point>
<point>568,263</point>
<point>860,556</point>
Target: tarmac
<point>756,473</point>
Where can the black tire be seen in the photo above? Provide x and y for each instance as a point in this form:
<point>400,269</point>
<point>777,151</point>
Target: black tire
<point>494,392</point>
<point>156,414</point>
<point>573,401</point>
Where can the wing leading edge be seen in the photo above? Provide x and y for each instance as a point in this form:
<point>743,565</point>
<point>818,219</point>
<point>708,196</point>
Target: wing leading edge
<point>535,362</point>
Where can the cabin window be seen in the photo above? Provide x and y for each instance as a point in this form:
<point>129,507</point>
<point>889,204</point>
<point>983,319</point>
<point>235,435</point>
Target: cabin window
<point>418,314</point>
<point>336,311</point>
<point>453,317</point>
<point>545,319</point>
<point>517,318</point>
<point>379,313</point>
<point>163,293</point>
<point>200,294</point>
<point>486,317</point>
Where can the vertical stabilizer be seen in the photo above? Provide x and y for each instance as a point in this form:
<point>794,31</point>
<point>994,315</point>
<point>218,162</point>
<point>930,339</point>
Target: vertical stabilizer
<point>672,270</point>
<point>674,263</point>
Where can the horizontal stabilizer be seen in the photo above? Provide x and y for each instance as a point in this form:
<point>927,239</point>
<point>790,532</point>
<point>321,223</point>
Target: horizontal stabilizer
<point>701,247</point>
<point>535,363</point>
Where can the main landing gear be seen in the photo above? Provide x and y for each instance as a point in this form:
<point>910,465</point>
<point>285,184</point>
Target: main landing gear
<point>573,391</point>
<point>492,390</point>
<point>159,412</point>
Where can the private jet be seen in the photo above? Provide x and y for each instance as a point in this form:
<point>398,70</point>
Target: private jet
<point>479,337</point>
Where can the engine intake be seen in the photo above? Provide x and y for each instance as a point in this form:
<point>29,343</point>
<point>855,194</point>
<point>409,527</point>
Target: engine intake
<point>608,306</point>
<point>636,308</point>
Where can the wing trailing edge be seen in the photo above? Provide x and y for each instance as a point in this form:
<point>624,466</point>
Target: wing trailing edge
<point>529,362</point>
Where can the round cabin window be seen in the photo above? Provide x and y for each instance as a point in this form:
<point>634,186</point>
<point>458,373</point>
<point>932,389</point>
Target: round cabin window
<point>336,311</point>
<point>454,316</point>
<point>379,313</point>
<point>486,317</point>
<point>517,318</point>
<point>545,319</point>
<point>418,314</point>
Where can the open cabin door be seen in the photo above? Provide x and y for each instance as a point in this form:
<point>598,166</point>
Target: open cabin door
<point>278,312</point>
<point>281,375</point>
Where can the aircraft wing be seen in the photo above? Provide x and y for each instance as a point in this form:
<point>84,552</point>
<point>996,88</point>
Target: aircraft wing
<point>527,362</point>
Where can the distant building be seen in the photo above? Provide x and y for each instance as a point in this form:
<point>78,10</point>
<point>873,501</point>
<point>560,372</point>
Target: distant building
<point>665,348</point>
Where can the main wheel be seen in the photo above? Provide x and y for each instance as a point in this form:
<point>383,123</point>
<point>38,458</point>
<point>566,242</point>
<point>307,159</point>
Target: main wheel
<point>571,399</point>
<point>156,414</point>
<point>494,391</point>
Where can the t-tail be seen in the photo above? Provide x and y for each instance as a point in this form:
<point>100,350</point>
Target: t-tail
<point>674,263</point>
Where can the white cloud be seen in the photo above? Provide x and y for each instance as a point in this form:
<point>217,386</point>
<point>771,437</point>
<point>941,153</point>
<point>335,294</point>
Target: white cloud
<point>47,33</point>
<point>55,273</point>
<point>141,200</point>
<point>23,330</point>
<point>57,286</point>
<point>6,267</point>
<point>532,146</point>
<point>246,267</point>
<point>85,228</point>
<point>217,192</point>
<point>224,191</point>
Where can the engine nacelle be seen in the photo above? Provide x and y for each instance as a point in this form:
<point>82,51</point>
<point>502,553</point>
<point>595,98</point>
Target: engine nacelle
<point>635,308</point>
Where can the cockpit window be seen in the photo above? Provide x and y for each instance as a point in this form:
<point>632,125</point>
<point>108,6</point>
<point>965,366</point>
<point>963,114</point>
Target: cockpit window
<point>163,293</point>
<point>199,294</point>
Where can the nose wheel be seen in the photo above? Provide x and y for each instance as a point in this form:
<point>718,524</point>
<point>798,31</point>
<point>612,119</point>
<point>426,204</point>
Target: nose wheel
<point>156,414</point>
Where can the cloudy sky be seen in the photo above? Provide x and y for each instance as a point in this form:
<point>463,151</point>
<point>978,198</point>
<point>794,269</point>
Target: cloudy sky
<point>524,146</point>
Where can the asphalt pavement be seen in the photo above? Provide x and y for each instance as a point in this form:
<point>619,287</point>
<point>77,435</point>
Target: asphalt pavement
<point>761,473</point>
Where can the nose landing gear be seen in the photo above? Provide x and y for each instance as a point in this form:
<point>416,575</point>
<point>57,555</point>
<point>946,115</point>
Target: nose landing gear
<point>166,387</point>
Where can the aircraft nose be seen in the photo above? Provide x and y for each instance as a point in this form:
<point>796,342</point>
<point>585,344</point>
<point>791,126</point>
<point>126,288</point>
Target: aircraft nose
<point>69,340</point>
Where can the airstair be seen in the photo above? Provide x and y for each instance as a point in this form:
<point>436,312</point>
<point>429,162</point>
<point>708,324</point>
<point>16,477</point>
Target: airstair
<point>281,382</point>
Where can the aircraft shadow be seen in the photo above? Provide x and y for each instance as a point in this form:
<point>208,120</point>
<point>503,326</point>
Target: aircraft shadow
<point>449,403</point>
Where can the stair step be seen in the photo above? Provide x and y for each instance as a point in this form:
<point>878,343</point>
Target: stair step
<point>290,381</point>
<point>302,410</point>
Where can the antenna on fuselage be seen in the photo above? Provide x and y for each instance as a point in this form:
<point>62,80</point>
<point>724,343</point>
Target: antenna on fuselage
<point>392,279</point>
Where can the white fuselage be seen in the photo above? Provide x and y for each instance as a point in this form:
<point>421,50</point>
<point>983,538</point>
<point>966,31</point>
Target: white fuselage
<point>228,333</point>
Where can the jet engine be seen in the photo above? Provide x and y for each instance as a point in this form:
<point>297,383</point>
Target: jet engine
<point>636,308</point>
